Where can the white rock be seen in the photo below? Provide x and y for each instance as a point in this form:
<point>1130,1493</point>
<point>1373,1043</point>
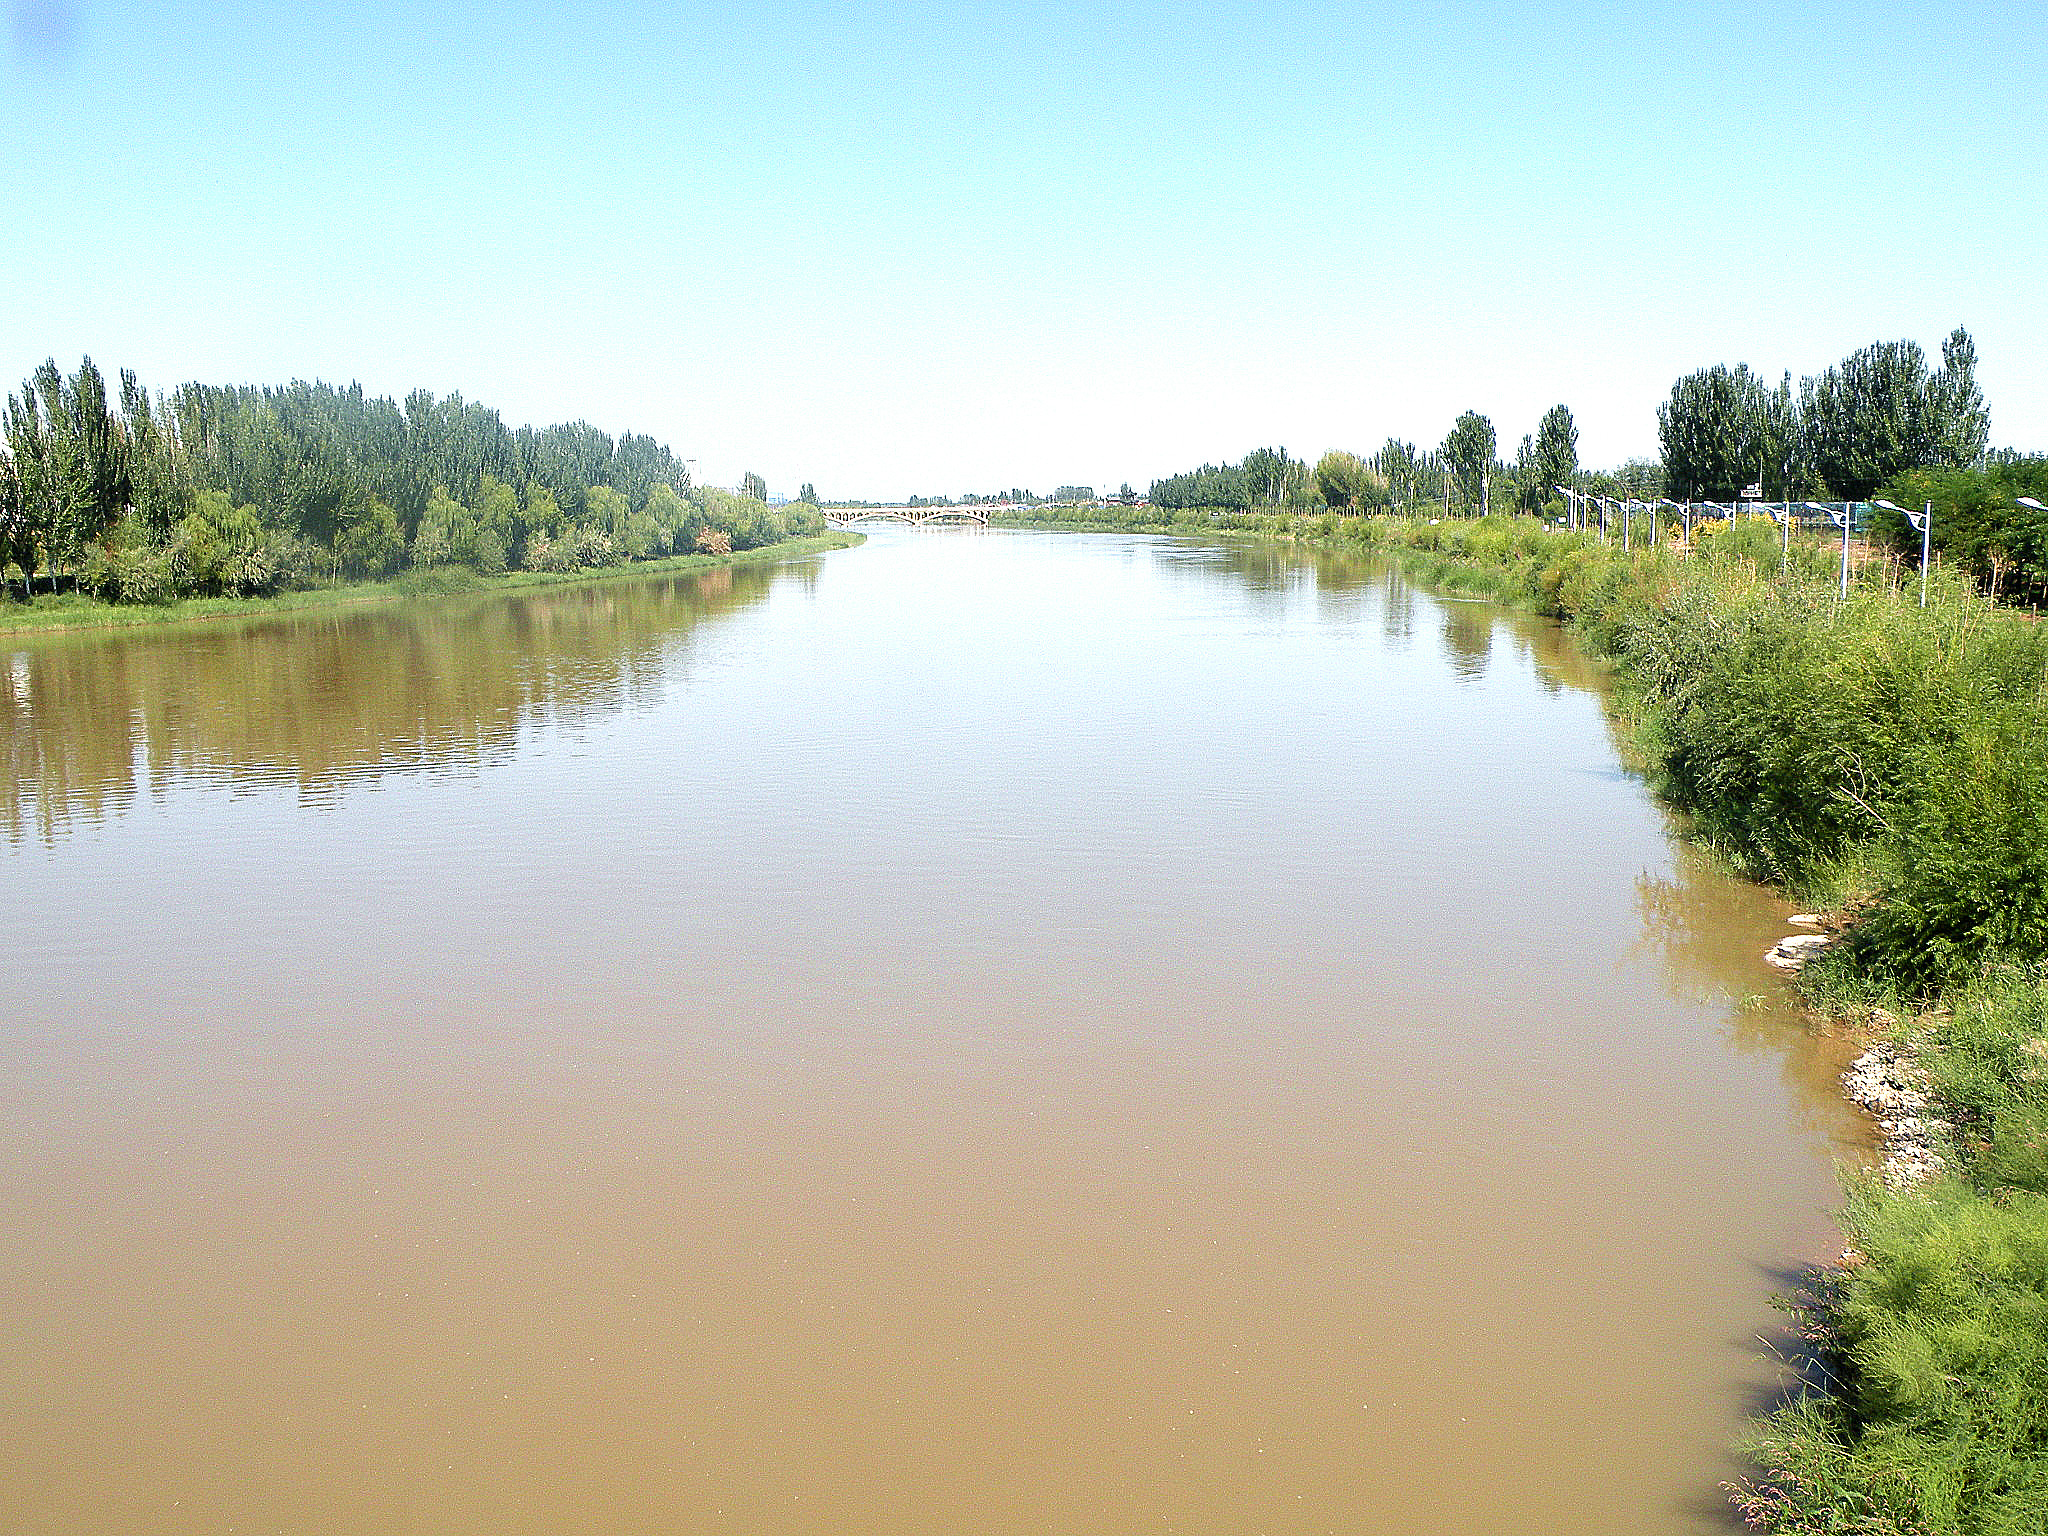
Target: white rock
<point>1894,1091</point>
<point>1795,949</point>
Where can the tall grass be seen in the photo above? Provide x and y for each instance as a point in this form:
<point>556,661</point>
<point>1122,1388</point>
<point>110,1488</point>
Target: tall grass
<point>1939,1328</point>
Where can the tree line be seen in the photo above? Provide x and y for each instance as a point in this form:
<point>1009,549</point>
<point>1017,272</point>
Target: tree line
<point>1843,433</point>
<point>239,490</point>
<point>1882,422</point>
<point>1463,475</point>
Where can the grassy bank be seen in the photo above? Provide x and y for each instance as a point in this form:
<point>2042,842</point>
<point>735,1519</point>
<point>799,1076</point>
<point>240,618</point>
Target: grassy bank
<point>76,611</point>
<point>1890,764</point>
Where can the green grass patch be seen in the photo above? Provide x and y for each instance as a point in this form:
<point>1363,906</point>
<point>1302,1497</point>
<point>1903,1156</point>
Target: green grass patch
<point>73,611</point>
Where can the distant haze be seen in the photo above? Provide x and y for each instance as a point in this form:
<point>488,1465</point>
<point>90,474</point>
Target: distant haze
<point>935,248</point>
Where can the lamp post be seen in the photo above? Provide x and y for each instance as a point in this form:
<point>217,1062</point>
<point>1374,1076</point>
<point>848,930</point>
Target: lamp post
<point>1844,517</point>
<point>1571,502</point>
<point>1785,552</point>
<point>1684,512</point>
<point>1923,524</point>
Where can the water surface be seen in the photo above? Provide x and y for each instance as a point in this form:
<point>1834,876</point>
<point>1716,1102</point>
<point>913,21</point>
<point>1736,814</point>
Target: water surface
<point>989,1033</point>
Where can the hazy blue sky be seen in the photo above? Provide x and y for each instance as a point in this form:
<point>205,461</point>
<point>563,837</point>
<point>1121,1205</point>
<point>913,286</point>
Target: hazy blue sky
<point>937,246</point>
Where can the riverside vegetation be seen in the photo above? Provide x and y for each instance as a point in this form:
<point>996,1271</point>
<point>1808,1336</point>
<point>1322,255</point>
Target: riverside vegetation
<point>1889,763</point>
<point>210,495</point>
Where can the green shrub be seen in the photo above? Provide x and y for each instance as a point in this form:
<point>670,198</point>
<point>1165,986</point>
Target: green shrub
<point>548,554</point>
<point>1942,1427</point>
<point>1969,845</point>
<point>372,544</point>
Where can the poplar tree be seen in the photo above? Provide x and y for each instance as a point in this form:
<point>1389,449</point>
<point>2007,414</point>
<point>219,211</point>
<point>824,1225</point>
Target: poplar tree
<point>1469,452</point>
<point>1880,412</point>
<point>33,487</point>
<point>1554,460</point>
<point>1398,463</point>
<point>16,547</point>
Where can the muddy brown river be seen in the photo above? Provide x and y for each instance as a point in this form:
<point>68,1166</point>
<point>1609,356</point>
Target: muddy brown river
<point>978,1033</point>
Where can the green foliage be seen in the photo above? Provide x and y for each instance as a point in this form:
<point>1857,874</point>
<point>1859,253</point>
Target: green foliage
<point>451,534</point>
<point>542,516</point>
<point>1268,474</point>
<point>1880,412</point>
<point>129,566</point>
<point>234,491</point>
<point>1811,739</point>
<point>1969,845</point>
<point>1269,478</point>
<point>497,509</point>
<point>1551,460</point>
<point>225,550</point>
<point>1979,522</point>
<point>1344,483</point>
<point>556,555</point>
<point>672,519</point>
<point>1213,485</point>
<point>1848,430</point>
<point>1991,1070</point>
<point>372,545</point>
<point>1468,451</point>
<point>1722,429</point>
<point>1408,474</point>
<point>1942,1331</point>
<point>17,540</point>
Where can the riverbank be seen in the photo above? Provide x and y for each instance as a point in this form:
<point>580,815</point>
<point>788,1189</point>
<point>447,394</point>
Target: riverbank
<point>1148,519</point>
<point>72,612</point>
<point>1889,763</point>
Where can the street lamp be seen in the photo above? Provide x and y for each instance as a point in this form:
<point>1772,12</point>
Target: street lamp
<point>1923,524</point>
<point>1685,512</point>
<point>1785,553</point>
<point>1844,517</point>
<point>2028,501</point>
<point>1571,502</point>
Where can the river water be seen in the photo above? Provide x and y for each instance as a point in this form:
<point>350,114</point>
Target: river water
<point>978,1033</point>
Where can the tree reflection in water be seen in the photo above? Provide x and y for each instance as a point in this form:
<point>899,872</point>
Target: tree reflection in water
<point>316,700</point>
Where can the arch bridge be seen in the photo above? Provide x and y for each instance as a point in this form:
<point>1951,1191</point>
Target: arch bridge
<point>914,517</point>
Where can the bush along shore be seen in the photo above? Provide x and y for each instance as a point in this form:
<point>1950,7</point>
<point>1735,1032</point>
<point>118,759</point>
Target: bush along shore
<point>78,611</point>
<point>212,495</point>
<point>1887,765</point>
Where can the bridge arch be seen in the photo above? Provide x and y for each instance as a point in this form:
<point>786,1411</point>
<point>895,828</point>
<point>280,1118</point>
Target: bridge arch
<point>913,517</point>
